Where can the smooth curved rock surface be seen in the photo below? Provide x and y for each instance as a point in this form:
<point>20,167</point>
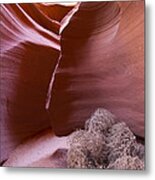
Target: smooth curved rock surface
<point>30,47</point>
<point>98,63</point>
<point>101,65</point>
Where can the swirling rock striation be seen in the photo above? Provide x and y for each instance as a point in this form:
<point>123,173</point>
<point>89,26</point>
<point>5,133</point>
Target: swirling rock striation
<point>101,65</point>
<point>30,47</point>
<point>94,57</point>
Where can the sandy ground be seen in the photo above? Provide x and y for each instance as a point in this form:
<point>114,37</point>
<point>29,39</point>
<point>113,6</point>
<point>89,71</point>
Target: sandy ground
<point>43,150</point>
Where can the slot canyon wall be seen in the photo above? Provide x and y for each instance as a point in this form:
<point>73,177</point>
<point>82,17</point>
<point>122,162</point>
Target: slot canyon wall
<point>76,57</point>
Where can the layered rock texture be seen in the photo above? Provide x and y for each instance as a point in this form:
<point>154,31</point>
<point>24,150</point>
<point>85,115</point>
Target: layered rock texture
<point>59,63</point>
<point>101,65</point>
<point>30,47</point>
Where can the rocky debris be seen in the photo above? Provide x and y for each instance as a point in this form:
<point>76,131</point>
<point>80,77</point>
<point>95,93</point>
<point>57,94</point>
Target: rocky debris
<point>100,121</point>
<point>85,148</point>
<point>105,144</point>
<point>127,162</point>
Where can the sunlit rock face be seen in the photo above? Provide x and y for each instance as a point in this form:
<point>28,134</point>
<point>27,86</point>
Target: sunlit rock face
<point>102,65</point>
<point>55,11</point>
<point>29,52</point>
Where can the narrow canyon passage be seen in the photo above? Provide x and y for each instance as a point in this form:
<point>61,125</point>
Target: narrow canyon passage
<point>61,62</point>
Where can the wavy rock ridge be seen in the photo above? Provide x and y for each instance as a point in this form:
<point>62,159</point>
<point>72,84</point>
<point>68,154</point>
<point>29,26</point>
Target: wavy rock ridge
<point>77,58</point>
<point>30,47</point>
<point>101,65</point>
